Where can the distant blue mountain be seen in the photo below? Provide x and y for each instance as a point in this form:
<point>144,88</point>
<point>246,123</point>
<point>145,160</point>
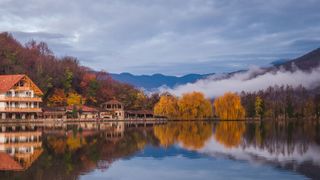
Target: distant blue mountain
<point>279,62</point>
<point>154,81</point>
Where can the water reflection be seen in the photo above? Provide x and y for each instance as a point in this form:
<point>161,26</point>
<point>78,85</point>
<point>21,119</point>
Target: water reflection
<point>70,151</point>
<point>230,134</point>
<point>191,135</point>
<point>19,147</point>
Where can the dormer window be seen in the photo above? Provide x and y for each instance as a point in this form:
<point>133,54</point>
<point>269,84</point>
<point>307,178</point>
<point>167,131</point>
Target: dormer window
<point>21,83</point>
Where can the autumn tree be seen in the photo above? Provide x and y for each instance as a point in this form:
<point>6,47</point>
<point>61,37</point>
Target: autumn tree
<point>90,87</point>
<point>229,106</point>
<point>194,106</point>
<point>167,106</point>
<point>259,107</point>
<point>67,83</point>
<point>58,98</point>
<point>74,99</point>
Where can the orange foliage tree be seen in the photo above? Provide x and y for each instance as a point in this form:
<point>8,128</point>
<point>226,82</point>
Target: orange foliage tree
<point>229,106</point>
<point>194,106</point>
<point>58,98</point>
<point>190,106</point>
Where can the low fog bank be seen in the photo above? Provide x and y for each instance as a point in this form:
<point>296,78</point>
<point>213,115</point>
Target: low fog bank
<point>254,79</point>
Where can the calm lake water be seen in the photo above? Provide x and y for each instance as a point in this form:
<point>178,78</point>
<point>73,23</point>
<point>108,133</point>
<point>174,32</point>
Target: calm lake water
<point>180,150</point>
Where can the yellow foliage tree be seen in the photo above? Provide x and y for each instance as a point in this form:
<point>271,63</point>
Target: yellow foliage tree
<point>74,99</point>
<point>167,106</point>
<point>229,106</point>
<point>194,106</point>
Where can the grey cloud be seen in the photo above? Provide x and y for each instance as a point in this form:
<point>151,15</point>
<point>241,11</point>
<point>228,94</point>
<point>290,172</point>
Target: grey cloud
<point>133,36</point>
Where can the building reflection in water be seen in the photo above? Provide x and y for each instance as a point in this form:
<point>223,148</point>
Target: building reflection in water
<point>20,146</point>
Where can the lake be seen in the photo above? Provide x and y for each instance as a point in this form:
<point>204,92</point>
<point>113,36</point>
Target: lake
<point>174,150</point>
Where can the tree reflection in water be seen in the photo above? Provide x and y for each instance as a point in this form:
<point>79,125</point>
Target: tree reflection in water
<point>230,133</point>
<point>69,152</point>
<point>192,135</point>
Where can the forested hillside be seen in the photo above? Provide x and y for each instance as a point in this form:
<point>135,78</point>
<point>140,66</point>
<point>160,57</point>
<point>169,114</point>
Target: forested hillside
<point>63,80</point>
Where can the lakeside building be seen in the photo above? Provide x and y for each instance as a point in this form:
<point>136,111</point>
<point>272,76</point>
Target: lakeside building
<point>20,97</point>
<point>54,113</point>
<point>112,109</point>
<point>70,112</point>
<point>82,112</point>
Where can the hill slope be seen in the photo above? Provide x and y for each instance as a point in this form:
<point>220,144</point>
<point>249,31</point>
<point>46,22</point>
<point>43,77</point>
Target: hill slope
<point>305,62</point>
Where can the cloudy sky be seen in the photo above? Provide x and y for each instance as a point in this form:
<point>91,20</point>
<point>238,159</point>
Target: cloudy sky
<point>167,36</point>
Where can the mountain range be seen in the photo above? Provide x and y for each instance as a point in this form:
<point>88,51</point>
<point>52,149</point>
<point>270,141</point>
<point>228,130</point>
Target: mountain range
<point>151,82</point>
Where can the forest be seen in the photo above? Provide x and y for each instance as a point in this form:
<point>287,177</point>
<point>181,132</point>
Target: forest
<point>278,102</point>
<point>63,80</point>
<point>282,102</point>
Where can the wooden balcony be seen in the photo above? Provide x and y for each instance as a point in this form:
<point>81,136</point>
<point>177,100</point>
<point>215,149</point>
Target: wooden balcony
<point>35,134</point>
<point>22,110</point>
<point>21,144</point>
<point>20,99</point>
<point>22,88</point>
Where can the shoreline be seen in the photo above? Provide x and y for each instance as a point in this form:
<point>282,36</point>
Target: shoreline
<point>147,120</point>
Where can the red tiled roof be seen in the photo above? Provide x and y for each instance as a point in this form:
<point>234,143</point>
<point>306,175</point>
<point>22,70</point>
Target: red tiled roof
<point>7,163</point>
<point>88,109</point>
<point>113,101</point>
<point>82,108</point>
<point>8,81</point>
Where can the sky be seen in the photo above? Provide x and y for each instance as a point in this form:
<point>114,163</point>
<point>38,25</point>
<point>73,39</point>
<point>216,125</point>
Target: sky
<point>173,37</point>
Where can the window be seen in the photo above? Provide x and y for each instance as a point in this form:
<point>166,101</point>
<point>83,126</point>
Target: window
<point>28,93</point>
<point>9,94</point>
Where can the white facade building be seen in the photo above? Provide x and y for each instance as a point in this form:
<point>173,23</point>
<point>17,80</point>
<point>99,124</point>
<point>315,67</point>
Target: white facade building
<point>20,98</point>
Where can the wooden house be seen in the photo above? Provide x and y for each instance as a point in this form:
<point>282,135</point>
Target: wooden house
<point>20,97</point>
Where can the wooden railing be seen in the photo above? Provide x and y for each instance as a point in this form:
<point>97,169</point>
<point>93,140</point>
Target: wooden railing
<point>21,99</point>
<point>35,134</point>
<point>22,88</point>
<point>17,109</point>
<point>22,144</point>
